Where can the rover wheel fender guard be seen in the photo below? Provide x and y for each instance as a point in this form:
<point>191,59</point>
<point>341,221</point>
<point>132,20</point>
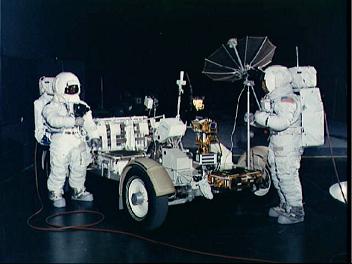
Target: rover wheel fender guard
<point>259,161</point>
<point>159,177</point>
<point>259,151</point>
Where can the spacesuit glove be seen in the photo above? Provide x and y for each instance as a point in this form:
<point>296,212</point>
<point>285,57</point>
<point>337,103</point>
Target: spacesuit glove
<point>79,121</point>
<point>95,143</point>
<point>260,118</point>
<point>251,118</point>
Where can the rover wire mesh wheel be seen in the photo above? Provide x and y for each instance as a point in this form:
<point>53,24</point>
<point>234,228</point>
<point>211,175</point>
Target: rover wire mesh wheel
<point>259,161</point>
<point>142,206</point>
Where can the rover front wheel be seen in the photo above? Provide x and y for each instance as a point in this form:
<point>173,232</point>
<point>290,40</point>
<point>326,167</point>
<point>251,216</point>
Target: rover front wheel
<point>143,207</point>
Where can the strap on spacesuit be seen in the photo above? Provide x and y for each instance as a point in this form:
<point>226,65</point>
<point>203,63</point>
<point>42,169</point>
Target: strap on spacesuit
<point>67,131</point>
<point>288,131</point>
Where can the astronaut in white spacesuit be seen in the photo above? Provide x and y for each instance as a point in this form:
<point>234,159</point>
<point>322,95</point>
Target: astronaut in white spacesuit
<point>70,121</point>
<point>41,132</point>
<point>281,113</point>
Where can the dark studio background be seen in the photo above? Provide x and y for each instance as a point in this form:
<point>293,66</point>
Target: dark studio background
<point>139,47</point>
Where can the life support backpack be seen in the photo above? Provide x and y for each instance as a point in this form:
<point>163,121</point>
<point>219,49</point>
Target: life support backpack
<point>41,129</point>
<point>304,81</point>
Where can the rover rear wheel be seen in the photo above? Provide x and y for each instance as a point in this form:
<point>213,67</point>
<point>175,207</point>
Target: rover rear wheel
<point>258,161</point>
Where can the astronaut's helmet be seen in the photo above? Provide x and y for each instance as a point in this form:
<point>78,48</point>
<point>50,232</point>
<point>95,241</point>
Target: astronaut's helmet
<point>46,85</point>
<point>276,76</point>
<point>67,87</point>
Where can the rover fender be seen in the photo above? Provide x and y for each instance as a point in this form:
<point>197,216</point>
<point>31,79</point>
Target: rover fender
<point>158,176</point>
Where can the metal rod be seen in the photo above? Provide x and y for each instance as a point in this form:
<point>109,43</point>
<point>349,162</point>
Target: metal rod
<point>248,128</point>
<point>179,82</point>
<point>261,46</point>
<point>256,98</point>
<point>236,52</point>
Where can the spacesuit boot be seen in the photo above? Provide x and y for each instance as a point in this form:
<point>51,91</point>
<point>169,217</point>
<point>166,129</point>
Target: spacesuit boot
<point>295,215</point>
<point>276,211</point>
<point>58,200</point>
<point>81,195</point>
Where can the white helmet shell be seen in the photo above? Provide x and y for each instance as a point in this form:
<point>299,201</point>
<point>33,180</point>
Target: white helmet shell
<point>63,81</point>
<point>46,85</point>
<point>277,76</point>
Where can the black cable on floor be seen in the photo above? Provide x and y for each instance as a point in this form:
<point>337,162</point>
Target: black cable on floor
<point>333,159</point>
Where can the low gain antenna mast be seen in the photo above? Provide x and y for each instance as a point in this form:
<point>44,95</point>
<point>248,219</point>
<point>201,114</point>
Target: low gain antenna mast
<point>297,56</point>
<point>180,83</point>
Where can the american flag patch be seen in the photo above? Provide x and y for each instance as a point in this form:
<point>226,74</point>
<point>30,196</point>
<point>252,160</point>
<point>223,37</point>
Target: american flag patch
<point>287,99</point>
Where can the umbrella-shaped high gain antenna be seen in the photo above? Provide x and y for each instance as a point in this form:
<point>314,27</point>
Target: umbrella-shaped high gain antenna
<point>233,61</point>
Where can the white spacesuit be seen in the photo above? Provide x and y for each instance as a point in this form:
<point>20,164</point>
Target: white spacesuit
<point>281,113</point>
<point>68,148</point>
<point>41,132</point>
